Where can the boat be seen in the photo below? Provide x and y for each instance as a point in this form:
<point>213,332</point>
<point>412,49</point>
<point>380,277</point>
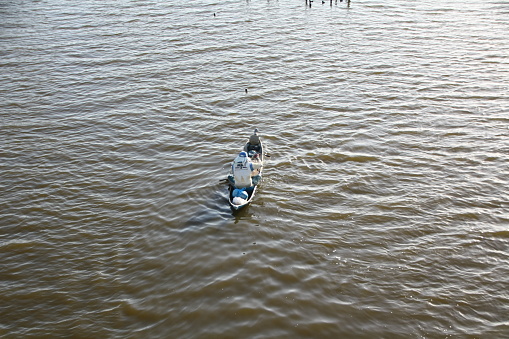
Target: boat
<point>258,156</point>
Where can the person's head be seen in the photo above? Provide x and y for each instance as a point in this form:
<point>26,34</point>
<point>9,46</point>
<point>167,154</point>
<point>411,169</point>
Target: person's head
<point>241,158</point>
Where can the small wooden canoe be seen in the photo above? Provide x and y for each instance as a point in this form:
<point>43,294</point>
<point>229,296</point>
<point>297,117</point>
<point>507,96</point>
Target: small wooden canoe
<point>251,191</point>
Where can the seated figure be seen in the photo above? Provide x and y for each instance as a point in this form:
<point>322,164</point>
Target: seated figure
<point>254,142</point>
<point>242,169</point>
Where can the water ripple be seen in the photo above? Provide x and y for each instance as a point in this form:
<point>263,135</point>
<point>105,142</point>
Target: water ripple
<point>383,208</point>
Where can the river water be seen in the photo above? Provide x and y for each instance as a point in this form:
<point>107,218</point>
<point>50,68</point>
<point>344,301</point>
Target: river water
<point>383,211</point>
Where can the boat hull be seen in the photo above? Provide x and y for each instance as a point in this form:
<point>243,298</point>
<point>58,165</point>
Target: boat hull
<point>251,191</point>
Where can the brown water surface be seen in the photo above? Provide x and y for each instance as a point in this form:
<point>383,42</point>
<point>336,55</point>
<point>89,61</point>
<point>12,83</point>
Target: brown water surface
<point>383,212</point>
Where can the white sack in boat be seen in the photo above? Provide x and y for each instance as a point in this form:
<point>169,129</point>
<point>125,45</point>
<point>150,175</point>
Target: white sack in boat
<point>239,201</point>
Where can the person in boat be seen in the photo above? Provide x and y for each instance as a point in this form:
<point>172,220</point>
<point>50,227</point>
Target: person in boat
<point>243,170</point>
<point>254,142</point>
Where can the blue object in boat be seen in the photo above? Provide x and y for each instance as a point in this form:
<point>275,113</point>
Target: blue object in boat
<point>240,192</point>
